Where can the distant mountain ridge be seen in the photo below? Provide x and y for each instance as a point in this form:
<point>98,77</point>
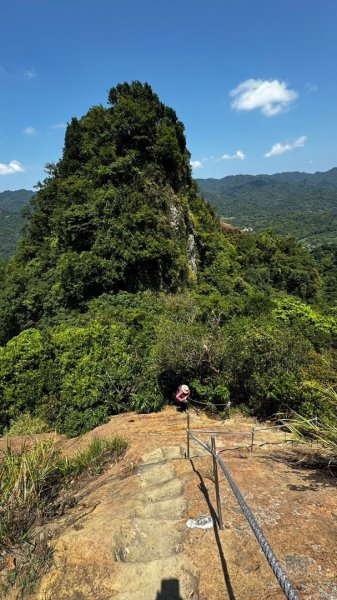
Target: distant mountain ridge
<point>11,220</point>
<point>14,201</point>
<point>327,179</point>
<point>300,204</point>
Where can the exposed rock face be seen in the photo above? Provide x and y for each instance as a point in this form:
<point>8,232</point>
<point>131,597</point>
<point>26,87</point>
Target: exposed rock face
<point>192,254</point>
<point>176,220</point>
<point>228,227</point>
<point>127,538</point>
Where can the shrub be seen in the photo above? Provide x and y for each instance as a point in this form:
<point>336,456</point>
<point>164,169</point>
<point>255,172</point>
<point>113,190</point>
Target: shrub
<point>27,424</point>
<point>265,366</point>
<point>21,384</point>
<point>319,328</point>
<point>73,377</point>
<point>147,400</point>
<point>211,396</point>
<point>185,351</point>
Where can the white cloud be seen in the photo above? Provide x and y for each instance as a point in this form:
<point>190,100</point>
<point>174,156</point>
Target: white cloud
<point>311,87</point>
<point>271,96</point>
<point>13,167</point>
<point>281,148</point>
<point>196,164</point>
<point>29,73</point>
<point>29,130</point>
<point>58,126</point>
<point>238,154</point>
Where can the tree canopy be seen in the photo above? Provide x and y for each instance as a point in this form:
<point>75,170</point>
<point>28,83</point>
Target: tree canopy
<point>118,212</point>
<point>124,285</point>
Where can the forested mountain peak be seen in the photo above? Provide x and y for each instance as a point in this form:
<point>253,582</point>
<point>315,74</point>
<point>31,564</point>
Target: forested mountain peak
<point>125,285</point>
<point>118,212</point>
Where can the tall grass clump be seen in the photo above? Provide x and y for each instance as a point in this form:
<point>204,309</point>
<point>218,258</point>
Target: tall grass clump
<point>29,479</point>
<point>322,431</point>
<point>94,456</point>
<point>27,424</point>
<point>32,479</point>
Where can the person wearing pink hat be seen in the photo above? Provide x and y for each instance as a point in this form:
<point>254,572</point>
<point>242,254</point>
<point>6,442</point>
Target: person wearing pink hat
<point>183,395</point>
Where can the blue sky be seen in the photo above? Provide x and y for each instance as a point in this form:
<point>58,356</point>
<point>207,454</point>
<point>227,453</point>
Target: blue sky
<point>254,82</point>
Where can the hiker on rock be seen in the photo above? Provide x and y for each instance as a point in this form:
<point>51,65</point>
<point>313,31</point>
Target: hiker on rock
<point>183,395</point>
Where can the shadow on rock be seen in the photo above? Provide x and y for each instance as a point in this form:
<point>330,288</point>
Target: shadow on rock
<point>169,590</point>
<point>215,518</point>
<point>311,467</point>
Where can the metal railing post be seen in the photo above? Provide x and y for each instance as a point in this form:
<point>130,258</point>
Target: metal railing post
<point>188,433</point>
<point>216,481</point>
<point>252,443</point>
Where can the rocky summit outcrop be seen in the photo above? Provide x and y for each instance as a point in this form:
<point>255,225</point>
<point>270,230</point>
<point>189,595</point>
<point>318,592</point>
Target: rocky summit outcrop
<point>127,538</point>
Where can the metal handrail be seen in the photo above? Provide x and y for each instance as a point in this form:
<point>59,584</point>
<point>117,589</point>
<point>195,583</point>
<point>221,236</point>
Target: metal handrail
<point>218,432</point>
<point>280,575</point>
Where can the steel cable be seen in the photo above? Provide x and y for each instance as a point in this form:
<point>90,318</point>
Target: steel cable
<point>280,575</point>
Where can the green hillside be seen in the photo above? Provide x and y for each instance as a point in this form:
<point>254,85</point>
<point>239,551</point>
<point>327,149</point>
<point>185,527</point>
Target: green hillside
<point>299,204</point>
<point>125,285</point>
<point>11,220</point>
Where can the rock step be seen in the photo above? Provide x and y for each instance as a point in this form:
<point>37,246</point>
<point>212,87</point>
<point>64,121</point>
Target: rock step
<point>171,578</point>
<point>169,489</point>
<point>168,452</point>
<point>151,565</point>
<point>168,508</point>
<point>155,474</point>
<point>144,540</point>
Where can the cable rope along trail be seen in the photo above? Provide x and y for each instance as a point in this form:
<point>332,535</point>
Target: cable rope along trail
<point>280,575</point>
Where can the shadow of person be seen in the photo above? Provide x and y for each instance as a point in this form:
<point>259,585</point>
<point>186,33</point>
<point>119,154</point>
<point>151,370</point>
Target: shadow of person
<point>215,518</point>
<point>169,590</point>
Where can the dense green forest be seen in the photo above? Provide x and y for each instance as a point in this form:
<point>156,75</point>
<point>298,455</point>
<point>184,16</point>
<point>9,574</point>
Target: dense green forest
<point>297,204</point>
<point>11,220</point>
<point>124,285</point>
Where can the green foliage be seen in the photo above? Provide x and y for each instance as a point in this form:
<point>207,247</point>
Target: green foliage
<point>184,348</point>
<point>281,263</point>
<point>124,285</point>
<point>320,328</point>
<point>131,351</point>
<point>73,378</point>
<point>265,366</point>
<point>149,399</point>
<point>26,424</point>
<point>326,260</point>
<point>21,384</point>
<point>212,397</point>
<point>93,369</point>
